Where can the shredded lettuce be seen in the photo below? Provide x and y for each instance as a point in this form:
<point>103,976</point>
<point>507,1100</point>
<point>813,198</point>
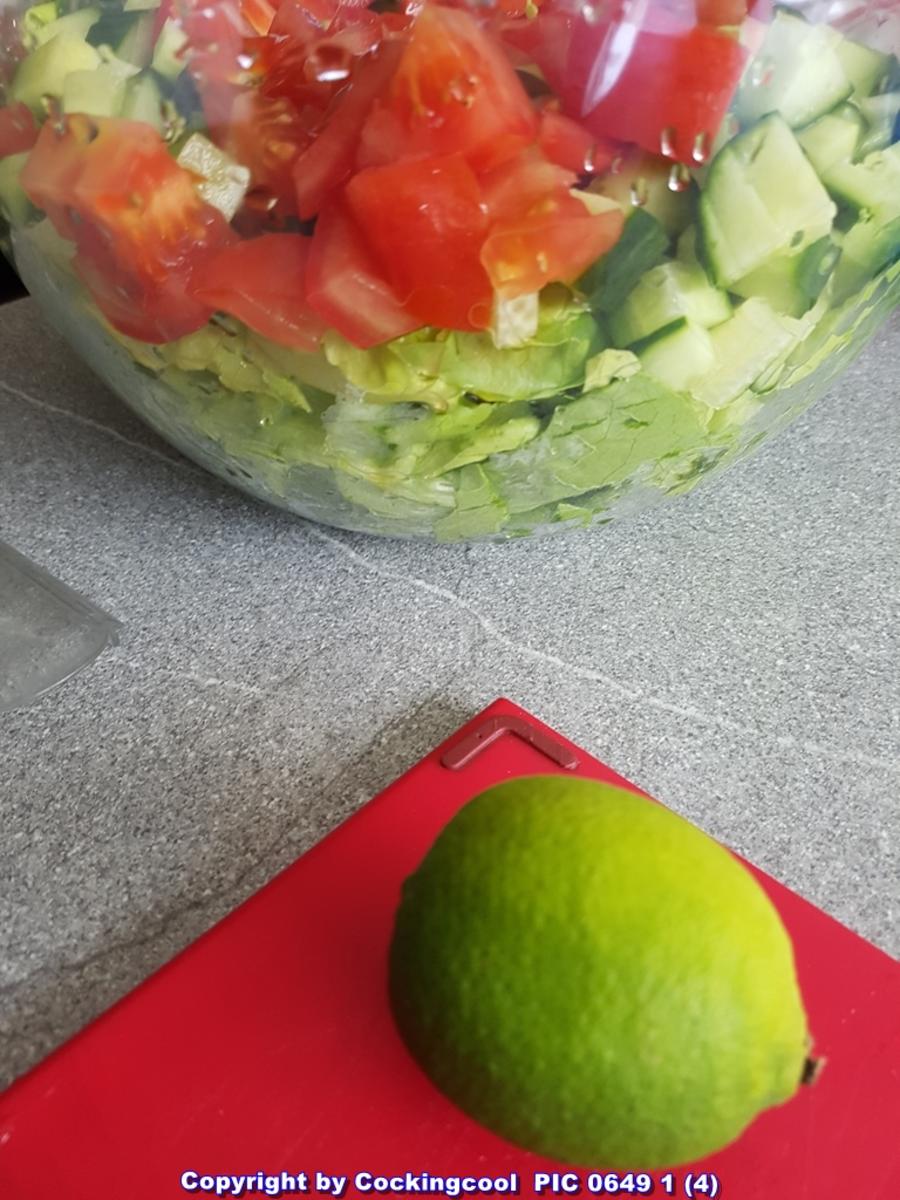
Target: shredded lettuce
<point>552,362</point>
<point>479,511</point>
<point>608,365</point>
<point>602,438</point>
<point>403,371</point>
<point>387,446</point>
<point>436,368</point>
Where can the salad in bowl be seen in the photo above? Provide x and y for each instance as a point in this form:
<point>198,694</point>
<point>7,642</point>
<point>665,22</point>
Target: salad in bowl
<point>453,269</point>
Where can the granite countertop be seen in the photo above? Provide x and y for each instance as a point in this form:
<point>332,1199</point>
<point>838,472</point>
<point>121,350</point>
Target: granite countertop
<point>735,654</point>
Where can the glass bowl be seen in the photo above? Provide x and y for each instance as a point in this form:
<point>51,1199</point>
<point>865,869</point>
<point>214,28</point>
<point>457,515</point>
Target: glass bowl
<point>456,271</point>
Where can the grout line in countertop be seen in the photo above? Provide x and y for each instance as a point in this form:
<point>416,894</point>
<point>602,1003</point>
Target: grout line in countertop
<point>836,754</point>
<point>90,423</point>
<point>205,681</point>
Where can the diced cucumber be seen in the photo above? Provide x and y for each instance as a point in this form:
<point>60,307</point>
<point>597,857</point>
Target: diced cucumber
<point>642,245</point>
<point>833,139</point>
<point>797,73</point>
<point>34,20</point>
<point>99,92</point>
<point>866,69</point>
<point>735,232</point>
<point>668,292</point>
<point>224,183</point>
<point>872,185</point>
<point>729,129</point>
<point>118,66</point>
<point>641,181</point>
<point>792,283</point>
<point>143,100</point>
<point>14,204</point>
<point>743,347</point>
<point>843,328</point>
<point>872,189</point>
<point>686,247</point>
<point>136,46</point>
<point>140,5</point>
<point>679,355</point>
<point>762,199</point>
<point>75,24</point>
<point>865,249</point>
<point>789,188</point>
<point>44,71</point>
<point>167,55</point>
<point>882,117</point>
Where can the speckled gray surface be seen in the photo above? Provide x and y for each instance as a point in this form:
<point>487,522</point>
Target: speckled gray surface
<point>736,655</point>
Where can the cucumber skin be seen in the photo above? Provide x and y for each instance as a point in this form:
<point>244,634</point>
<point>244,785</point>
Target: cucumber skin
<point>732,199</point>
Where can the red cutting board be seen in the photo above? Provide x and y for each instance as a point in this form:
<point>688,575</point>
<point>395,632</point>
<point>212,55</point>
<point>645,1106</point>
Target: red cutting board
<point>268,1044</point>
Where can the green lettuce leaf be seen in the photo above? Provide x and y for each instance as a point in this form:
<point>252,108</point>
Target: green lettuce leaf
<point>388,445</point>
<point>600,439</point>
<point>419,505</point>
<point>479,510</point>
<point>403,371</point>
<point>608,365</point>
<point>241,361</point>
<point>551,362</point>
<point>437,367</point>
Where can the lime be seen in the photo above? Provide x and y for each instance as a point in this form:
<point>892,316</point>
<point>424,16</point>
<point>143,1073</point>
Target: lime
<point>593,978</point>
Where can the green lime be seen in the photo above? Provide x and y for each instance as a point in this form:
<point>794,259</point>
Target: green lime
<point>592,977</point>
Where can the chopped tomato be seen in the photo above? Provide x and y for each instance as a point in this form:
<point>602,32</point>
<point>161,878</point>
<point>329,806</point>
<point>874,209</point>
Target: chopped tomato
<point>662,80</point>
<point>221,55</point>
<point>543,40</point>
<point>671,95</point>
<point>569,144</point>
<point>276,80</point>
<point>139,226</point>
<point>218,35</point>
<point>454,92</point>
<point>328,160</point>
<point>149,310</point>
<point>556,244</point>
<point>18,129</point>
<point>540,232</point>
<point>266,134</point>
<point>733,12</point>
<point>262,282</point>
<point>54,168</point>
<point>514,189</point>
<point>303,86</point>
<point>259,15</point>
<point>314,49</point>
<point>721,12</point>
<point>347,289</point>
<point>425,223</point>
